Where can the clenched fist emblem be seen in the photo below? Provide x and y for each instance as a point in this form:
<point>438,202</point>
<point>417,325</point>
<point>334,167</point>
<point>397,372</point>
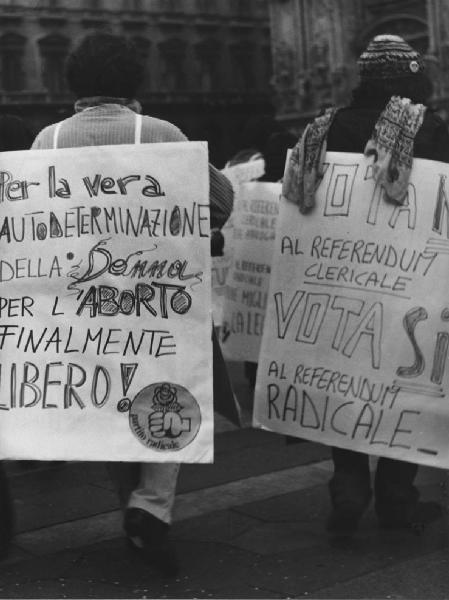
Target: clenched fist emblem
<point>168,424</point>
<point>165,416</point>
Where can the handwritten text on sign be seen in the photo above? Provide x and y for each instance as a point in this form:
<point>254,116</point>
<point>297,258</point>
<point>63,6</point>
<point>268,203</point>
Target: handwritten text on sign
<point>219,272</point>
<point>105,346</point>
<point>356,340</point>
<point>238,175</point>
<point>255,214</point>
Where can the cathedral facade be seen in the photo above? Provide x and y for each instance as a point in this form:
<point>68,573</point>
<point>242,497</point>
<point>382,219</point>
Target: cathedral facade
<point>212,65</point>
<point>208,62</point>
<point>316,45</point>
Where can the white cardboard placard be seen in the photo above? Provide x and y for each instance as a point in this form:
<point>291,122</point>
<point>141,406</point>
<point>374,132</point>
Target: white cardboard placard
<point>255,216</point>
<point>356,337</point>
<point>105,309</point>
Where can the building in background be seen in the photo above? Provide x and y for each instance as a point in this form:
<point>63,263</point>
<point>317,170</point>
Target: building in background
<point>316,44</point>
<point>208,62</point>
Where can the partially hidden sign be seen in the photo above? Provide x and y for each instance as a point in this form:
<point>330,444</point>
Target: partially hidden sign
<point>356,338</point>
<point>105,326</point>
<point>255,215</point>
<point>219,273</point>
<point>238,175</point>
<point>244,172</point>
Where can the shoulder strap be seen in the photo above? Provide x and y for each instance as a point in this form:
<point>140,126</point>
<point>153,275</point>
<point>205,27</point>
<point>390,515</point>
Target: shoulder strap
<point>56,134</point>
<point>138,129</point>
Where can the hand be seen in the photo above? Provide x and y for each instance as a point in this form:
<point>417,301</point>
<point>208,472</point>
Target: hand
<point>156,424</point>
<point>174,425</point>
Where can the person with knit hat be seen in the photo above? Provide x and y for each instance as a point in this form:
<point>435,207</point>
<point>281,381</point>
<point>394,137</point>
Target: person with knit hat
<point>387,120</point>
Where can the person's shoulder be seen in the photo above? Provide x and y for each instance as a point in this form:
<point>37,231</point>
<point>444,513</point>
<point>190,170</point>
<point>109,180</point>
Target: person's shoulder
<point>434,126</point>
<point>432,139</point>
<point>351,118</point>
<point>44,138</point>
<point>351,128</point>
<point>433,119</point>
<point>166,131</point>
<point>155,122</point>
<point>347,114</point>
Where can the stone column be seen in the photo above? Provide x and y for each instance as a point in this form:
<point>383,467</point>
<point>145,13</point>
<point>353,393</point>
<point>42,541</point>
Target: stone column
<point>438,53</point>
<point>312,55</point>
<point>289,69</point>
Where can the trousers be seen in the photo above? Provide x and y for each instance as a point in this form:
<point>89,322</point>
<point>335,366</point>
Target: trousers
<point>148,486</point>
<point>394,493</point>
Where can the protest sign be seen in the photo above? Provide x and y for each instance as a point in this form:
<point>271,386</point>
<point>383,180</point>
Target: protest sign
<point>255,216</point>
<point>356,338</point>
<point>219,273</point>
<point>105,327</point>
<point>237,174</point>
<point>244,172</point>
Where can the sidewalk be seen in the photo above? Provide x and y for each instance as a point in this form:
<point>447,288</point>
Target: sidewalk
<point>249,526</point>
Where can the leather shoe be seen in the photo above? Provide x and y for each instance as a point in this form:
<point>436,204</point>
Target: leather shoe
<point>148,537</point>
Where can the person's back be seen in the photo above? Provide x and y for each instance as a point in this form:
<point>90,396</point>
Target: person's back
<point>104,73</point>
<point>388,68</point>
<point>353,125</point>
<point>396,496</point>
<point>104,123</point>
<point>388,122</point>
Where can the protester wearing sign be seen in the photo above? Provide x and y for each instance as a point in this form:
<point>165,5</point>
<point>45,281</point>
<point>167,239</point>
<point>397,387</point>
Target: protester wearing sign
<point>104,72</point>
<point>387,120</point>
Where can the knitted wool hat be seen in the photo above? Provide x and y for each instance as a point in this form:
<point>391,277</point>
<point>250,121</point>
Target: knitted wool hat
<point>389,57</point>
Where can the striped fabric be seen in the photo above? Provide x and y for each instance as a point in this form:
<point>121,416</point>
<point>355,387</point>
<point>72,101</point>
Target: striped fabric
<point>109,124</point>
<point>389,57</point>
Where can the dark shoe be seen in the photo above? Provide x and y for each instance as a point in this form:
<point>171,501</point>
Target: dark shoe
<point>343,522</point>
<point>423,514</point>
<point>148,536</point>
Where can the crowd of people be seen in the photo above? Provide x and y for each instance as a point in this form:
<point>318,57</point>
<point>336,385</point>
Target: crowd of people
<point>388,119</point>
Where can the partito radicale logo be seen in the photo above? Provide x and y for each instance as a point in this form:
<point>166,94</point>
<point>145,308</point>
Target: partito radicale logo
<point>165,416</point>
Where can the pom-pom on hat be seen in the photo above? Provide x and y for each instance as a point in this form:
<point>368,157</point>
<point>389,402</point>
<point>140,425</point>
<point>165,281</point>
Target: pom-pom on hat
<point>389,57</point>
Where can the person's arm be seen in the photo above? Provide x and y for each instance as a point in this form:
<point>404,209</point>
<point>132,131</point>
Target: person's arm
<point>221,197</point>
<point>441,147</point>
<point>44,139</point>
<point>221,194</point>
<point>432,139</point>
<point>37,144</point>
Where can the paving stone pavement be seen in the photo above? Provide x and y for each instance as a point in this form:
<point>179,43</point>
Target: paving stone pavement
<point>249,526</point>
<point>256,545</point>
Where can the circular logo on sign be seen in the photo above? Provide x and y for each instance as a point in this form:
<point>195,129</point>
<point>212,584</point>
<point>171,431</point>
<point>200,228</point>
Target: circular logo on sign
<point>165,416</point>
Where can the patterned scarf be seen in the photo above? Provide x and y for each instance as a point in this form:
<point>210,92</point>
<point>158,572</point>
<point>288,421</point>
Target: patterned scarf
<point>86,103</point>
<point>305,169</point>
<point>391,145</point>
